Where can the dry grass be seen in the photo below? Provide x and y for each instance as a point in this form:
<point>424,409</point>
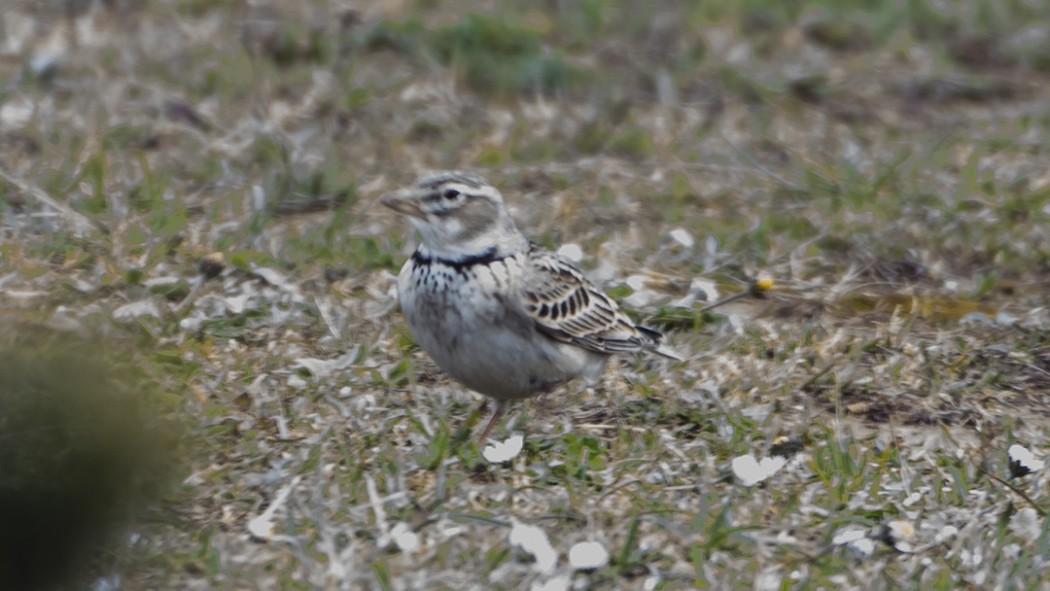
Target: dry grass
<point>201,181</point>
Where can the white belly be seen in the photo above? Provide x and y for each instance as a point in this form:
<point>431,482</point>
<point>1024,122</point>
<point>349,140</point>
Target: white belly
<point>485,339</point>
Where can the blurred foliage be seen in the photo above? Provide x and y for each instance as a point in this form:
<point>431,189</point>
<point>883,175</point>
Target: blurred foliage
<point>497,56</point>
<point>81,452</point>
<point>493,55</point>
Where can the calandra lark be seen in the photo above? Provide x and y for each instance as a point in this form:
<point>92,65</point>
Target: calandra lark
<point>504,317</point>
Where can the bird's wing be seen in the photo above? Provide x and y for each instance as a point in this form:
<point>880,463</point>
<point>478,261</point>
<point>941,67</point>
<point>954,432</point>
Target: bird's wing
<point>569,308</point>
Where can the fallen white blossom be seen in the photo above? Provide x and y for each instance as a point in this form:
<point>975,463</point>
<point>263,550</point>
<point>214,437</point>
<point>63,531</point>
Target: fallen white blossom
<point>504,451</point>
<point>682,237</point>
<point>137,309</point>
<point>1023,461</point>
<point>263,527</point>
<point>534,540</point>
<point>588,556</point>
<point>899,533</point>
<point>855,539</point>
<point>751,471</point>
<point>403,537</point>
<point>572,252</point>
<point>322,368</point>
<point>557,583</point>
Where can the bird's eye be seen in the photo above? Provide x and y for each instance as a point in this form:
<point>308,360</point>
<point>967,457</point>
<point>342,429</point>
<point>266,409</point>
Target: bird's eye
<point>450,194</point>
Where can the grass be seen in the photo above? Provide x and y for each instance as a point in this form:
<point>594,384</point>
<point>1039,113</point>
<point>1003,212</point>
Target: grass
<point>880,160</point>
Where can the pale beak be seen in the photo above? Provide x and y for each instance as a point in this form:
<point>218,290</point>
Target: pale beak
<point>404,201</point>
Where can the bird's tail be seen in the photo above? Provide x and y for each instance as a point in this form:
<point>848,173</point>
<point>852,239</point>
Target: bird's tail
<point>658,346</point>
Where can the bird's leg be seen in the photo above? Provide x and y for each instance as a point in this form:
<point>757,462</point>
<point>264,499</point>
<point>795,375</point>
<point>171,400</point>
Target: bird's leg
<point>500,407</point>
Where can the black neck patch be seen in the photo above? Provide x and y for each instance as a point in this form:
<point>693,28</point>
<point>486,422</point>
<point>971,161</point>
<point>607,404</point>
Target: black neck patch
<point>489,255</point>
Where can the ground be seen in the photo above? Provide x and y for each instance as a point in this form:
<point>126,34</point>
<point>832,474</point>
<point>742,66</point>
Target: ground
<point>197,183</point>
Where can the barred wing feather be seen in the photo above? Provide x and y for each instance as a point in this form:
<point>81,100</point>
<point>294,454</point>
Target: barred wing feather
<point>569,308</point>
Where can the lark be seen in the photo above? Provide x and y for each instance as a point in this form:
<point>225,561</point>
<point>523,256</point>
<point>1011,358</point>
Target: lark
<point>504,317</point>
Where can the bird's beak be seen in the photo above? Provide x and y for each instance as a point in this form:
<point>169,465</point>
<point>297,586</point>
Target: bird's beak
<point>403,201</point>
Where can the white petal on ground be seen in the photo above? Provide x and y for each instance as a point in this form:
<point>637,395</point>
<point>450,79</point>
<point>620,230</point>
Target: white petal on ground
<point>273,277</point>
<point>911,499</point>
<point>770,579</point>
<point>848,535</point>
<point>558,583</point>
<point>572,252</point>
<point>700,290</point>
<point>641,296</point>
<point>588,556</point>
<point>137,310</point>
<point>856,539</point>
<point>263,526</point>
<point>682,237</point>
<point>533,540</point>
<point>864,547</point>
<point>237,304</point>
<point>947,532</point>
<point>322,368</point>
<point>900,533</point>
<point>636,282</point>
<point>504,451</point>
<point>751,471</point>
<point>1005,319</point>
<point>1022,461</point>
<point>166,281</point>
<point>403,536</point>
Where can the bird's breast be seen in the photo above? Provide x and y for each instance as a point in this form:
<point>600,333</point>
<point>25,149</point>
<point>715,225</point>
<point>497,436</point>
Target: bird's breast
<point>472,323</point>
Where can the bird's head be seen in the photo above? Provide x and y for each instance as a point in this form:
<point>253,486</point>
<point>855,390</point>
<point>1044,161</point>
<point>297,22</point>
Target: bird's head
<point>457,214</point>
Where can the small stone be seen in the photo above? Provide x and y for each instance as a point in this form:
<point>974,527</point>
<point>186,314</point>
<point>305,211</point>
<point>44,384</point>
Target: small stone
<point>211,266</point>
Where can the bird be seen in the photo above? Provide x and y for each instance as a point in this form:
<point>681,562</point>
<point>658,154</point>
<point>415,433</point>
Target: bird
<point>498,313</point>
